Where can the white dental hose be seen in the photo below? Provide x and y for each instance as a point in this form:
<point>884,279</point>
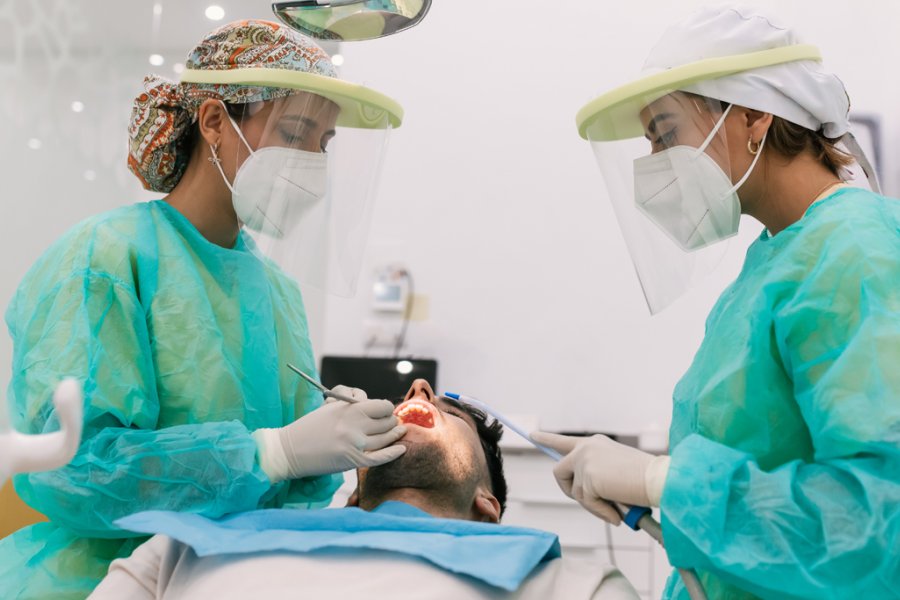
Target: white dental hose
<point>20,453</point>
<point>636,517</point>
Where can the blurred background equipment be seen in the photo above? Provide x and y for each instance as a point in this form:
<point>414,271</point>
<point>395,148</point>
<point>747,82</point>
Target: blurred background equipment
<point>379,377</point>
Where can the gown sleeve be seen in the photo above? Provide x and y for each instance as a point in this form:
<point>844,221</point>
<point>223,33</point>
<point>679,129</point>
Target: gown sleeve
<point>827,526</point>
<point>90,325</point>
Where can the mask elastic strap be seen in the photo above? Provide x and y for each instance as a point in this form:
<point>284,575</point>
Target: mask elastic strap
<point>712,134</point>
<point>741,181</point>
<point>715,130</point>
<point>239,132</point>
<point>216,160</point>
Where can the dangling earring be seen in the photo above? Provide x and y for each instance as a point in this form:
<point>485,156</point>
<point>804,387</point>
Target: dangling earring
<point>214,159</point>
<point>751,149</point>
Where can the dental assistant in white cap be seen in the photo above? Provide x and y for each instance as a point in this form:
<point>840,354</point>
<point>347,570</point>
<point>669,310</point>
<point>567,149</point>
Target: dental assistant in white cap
<point>784,474</point>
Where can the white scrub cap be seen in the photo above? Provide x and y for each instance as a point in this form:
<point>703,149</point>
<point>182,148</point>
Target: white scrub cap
<point>801,91</point>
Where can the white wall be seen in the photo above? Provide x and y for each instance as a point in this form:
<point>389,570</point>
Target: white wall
<point>45,189</point>
<point>497,207</point>
<point>489,196</point>
<point>52,54</point>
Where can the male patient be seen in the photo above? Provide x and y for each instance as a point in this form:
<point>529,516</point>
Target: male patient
<point>426,527</point>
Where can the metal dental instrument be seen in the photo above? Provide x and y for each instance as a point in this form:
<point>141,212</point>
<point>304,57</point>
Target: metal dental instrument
<point>636,517</point>
<point>325,391</point>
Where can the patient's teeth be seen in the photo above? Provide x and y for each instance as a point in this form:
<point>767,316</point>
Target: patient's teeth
<point>417,412</point>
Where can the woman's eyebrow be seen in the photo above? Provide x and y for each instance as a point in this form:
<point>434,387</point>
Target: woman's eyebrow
<point>311,123</point>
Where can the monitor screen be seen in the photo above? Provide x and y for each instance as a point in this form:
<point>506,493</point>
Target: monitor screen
<point>380,377</point>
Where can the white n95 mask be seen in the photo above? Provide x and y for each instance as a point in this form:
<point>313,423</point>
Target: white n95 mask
<point>688,195</point>
<point>276,186</point>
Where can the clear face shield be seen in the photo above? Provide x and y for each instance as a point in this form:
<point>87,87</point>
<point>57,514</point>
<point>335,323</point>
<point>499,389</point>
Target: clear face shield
<point>305,184</point>
<point>672,189</point>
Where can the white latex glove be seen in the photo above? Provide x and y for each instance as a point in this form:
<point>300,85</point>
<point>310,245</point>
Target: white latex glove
<point>597,471</point>
<point>336,437</point>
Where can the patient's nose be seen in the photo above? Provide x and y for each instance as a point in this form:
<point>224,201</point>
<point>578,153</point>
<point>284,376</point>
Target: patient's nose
<point>420,389</point>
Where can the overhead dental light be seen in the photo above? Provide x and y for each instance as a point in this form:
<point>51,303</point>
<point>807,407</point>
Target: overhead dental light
<point>214,12</point>
<point>351,20</point>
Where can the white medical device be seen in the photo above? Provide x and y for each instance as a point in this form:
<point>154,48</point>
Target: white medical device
<point>20,453</point>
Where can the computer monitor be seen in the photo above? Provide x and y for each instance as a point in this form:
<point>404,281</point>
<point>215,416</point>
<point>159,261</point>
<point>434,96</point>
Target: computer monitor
<point>380,377</point>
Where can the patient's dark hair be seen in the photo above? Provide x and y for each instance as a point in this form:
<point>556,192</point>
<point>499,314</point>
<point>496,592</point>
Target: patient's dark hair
<point>489,432</point>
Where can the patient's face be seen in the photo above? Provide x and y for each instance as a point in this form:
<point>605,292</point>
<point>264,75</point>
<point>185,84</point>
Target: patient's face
<point>443,450</point>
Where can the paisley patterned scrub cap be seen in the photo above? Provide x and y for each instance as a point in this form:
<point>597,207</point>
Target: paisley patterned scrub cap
<point>160,128</point>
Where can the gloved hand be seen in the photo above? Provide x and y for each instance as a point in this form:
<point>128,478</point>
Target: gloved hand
<point>336,437</point>
<point>597,471</point>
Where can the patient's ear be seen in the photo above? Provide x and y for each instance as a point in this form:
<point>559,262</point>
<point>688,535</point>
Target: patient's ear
<point>353,500</point>
<point>485,508</point>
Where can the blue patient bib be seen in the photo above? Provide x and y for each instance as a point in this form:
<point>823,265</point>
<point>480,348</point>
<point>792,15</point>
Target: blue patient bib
<point>498,555</point>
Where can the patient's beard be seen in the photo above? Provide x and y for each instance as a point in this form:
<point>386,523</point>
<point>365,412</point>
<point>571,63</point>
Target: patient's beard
<point>444,479</point>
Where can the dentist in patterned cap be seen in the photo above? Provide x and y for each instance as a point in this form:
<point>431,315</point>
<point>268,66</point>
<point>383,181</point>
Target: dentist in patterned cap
<point>179,315</point>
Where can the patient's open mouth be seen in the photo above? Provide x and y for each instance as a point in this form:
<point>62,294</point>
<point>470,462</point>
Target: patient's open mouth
<point>416,412</point>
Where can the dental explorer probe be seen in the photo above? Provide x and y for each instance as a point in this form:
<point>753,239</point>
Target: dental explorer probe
<point>325,391</point>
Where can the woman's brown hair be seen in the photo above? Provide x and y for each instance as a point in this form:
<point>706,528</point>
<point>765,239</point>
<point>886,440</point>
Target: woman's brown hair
<point>791,139</point>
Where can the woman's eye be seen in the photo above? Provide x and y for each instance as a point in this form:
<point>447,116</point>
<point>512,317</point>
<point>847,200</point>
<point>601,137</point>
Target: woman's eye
<point>451,411</point>
<point>666,139</point>
<point>291,137</point>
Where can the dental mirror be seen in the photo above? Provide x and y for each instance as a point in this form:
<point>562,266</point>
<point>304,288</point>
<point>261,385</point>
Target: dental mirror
<point>351,20</point>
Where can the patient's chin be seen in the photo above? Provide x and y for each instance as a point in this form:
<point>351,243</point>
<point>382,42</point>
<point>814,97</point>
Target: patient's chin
<point>423,466</point>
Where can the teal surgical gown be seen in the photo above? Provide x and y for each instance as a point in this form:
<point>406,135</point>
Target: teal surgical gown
<point>785,474</point>
<point>182,346</point>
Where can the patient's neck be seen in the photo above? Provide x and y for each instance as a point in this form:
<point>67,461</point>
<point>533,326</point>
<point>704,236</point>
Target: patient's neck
<point>435,504</point>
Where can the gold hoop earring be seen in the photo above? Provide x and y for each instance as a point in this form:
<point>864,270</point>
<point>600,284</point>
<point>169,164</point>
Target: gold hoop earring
<point>214,159</point>
<point>751,149</point>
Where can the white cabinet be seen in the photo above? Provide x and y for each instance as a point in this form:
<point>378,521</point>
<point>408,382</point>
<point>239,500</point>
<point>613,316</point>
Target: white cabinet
<point>536,501</point>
